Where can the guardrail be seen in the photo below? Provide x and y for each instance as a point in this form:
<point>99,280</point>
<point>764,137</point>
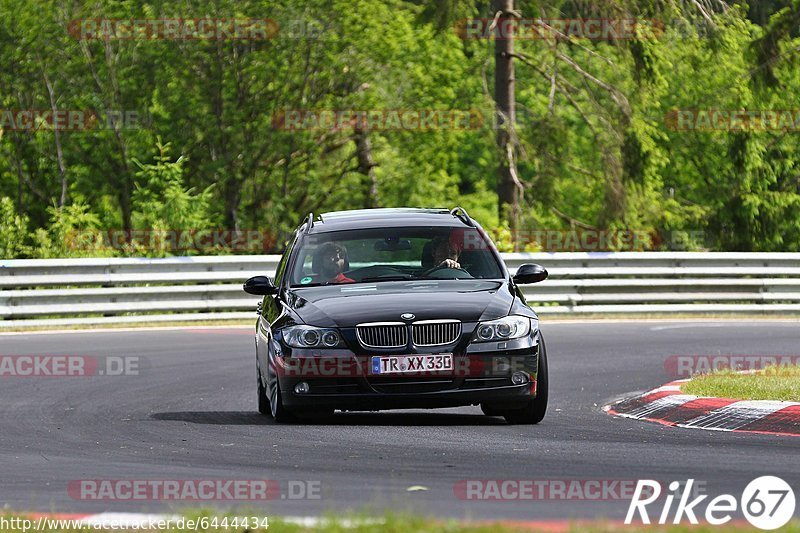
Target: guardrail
<point>124,290</point>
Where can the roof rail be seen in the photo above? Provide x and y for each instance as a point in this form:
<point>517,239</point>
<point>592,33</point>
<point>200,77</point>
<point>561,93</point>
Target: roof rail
<point>309,223</point>
<point>462,215</point>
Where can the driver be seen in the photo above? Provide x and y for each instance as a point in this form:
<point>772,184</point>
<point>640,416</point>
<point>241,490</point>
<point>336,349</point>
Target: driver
<point>330,261</point>
<point>445,253</point>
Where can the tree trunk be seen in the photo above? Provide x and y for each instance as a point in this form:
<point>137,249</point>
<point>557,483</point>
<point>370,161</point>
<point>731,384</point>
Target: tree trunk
<point>124,198</point>
<point>366,166</point>
<point>57,134</point>
<point>508,192</point>
<point>233,196</point>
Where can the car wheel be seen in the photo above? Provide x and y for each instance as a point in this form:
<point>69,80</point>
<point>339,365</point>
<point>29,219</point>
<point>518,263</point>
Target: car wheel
<point>534,411</point>
<point>279,413</point>
<point>263,401</point>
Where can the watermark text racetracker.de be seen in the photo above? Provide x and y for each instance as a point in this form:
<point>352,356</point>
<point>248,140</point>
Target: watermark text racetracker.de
<point>733,120</point>
<point>596,29</point>
<point>58,366</point>
<point>76,120</point>
<point>545,489</point>
<point>176,240</point>
<point>378,119</point>
<point>580,240</point>
<point>684,366</point>
<point>185,29</point>
<point>331,363</point>
<point>193,489</point>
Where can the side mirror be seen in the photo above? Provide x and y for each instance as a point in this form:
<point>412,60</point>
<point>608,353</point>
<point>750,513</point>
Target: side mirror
<point>530,273</point>
<point>260,286</point>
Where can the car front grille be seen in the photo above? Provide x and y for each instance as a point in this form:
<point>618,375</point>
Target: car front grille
<point>382,334</point>
<point>395,334</point>
<point>435,332</point>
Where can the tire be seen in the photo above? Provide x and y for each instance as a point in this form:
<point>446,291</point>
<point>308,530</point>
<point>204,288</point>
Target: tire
<point>278,412</point>
<point>263,401</point>
<point>534,411</point>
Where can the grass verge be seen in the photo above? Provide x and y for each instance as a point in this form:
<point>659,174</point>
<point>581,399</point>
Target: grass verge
<point>772,383</point>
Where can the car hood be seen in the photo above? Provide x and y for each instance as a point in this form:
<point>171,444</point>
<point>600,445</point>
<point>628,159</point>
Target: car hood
<point>347,305</point>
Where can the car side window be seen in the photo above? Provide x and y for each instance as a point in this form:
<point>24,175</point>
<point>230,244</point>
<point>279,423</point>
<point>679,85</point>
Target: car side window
<point>279,272</point>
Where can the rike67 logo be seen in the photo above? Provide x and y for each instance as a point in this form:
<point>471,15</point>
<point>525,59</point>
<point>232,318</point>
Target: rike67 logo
<point>768,502</point>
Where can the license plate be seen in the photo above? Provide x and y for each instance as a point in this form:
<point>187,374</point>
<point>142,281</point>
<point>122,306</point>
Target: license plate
<point>411,364</point>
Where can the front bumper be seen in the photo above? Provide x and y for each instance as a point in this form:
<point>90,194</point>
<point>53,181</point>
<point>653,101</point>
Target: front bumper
<point>512,395</point>
<point>343,381</point>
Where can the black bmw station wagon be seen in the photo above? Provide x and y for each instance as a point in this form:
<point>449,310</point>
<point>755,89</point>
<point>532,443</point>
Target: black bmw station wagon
<point>397,308</point>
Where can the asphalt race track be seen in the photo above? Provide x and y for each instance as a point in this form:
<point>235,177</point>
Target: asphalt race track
<point>190,413</point>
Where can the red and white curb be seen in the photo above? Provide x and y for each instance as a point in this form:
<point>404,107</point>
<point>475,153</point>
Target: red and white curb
<point>667,405</point>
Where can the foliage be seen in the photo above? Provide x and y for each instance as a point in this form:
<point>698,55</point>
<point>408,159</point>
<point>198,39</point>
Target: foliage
<point>13,230</point>
<point>598,143</point>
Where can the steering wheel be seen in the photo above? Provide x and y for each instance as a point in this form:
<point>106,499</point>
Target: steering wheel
<point>441,268</point>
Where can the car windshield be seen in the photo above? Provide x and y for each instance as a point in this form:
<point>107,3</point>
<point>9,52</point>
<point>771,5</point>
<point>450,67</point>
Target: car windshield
<point>394,254</point>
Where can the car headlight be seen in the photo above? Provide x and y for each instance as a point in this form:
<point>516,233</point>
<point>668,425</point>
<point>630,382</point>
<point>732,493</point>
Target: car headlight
<point>503,329</point>
<point>311,337</point>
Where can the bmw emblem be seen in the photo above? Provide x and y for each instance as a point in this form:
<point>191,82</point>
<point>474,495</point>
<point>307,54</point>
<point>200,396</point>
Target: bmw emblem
<point>407,316</point>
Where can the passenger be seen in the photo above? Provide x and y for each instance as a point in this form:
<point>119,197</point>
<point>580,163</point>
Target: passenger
<point>330,261</point>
